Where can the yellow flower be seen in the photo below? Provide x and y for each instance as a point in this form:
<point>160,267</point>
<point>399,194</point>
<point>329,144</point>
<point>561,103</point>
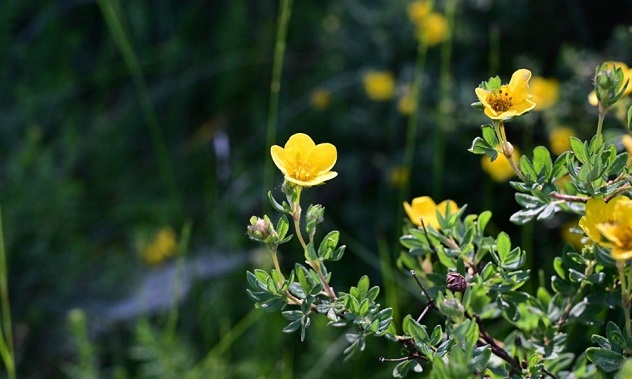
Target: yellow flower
<point>406,105</point>
<point>304,163</point>
<point>627,75</point>
<point>546,92</point>
<point>161,247</point>
<point>433,29</point>
<point>618,231</point>
<point>509,100</point>
<point>379,85</point>
<point>320,98</point>
<point>570,236</point>
<point>425,208</point>
<point>500,170</point>
<point>598,212</point>
<point>418,10</point>
<point>559,140</point>
<point>399,176</point>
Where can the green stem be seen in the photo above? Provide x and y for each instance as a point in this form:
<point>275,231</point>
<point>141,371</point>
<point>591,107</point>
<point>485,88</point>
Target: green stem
<point>6,340</point>
<point>111,14</point>
<point>172,319</point>
<point>625,296</point>
<point>507,149</point>
<point>296,216</point>
<point>411,135</point>
<point>602,116</point>
<point>445,105</point>
<point>285,11</point>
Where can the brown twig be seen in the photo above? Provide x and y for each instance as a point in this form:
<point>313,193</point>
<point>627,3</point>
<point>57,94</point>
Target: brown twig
<point>571,198</point>
<point>496,349</point>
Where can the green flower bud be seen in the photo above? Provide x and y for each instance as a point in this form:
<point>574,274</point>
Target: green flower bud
<point>315,214</point>
<point>261,229</point>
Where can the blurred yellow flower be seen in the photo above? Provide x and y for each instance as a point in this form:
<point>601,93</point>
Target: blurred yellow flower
<point>406,104</point>
<point>161,247</point>
<point>570,236</point>
<point>379,85</point>
<point>425,208</point>
<point>500,170</point>
<point>433,29</point>
<point>617,229</point>
<point>399,176</point>
<point>418,10</point>
<point>545,92</point>
<point>627,75</point>
<point>598,212</point>
<point>303,162</point>
<point>509,100</point>
<point>559,139</point>
<point>320,98</point>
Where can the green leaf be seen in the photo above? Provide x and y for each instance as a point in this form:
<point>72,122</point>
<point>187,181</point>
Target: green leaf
<point>489,135</point>
<point>481,357</point>
<point>282,227</point>
<point>526,215</point>
<point>493,84</point>
<point>281,208</point>
<point>310,252</point>
<point>415,330</point>
<point>503,245</point>
<point>527,201</point>
<point>479,146</point>
<point>304,278</point>
<point>328,244</point>
<point>579,149</point>
<point>542,161</point>
<point>436,335</point>
<point>618,164</point>
<point>601,341</point>
<point>606,360</point>
<point>363,287</point>
<point>617,341</point>
<point>527,169</point>
<point>629,118</point>
<point>483,219</point>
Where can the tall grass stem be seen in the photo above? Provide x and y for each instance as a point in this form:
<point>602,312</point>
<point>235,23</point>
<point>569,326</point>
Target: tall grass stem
<point>6,338</point>
<point>112,15</point>
<point>285,11</point>
<point>445,105</point>
<point>183,243</point>
<point>411,135</point>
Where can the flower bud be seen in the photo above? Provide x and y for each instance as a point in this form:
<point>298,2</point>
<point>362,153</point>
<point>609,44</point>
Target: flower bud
<point>604,78</point>
<point>315,214</point>
<point>260,229</point>
<point>456,282</point>
<point>508,149</point>
<point>452,307</point>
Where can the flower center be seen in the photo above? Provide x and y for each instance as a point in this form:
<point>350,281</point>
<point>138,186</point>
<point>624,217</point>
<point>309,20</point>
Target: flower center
<point>303,171</point>
<point>500,102</point>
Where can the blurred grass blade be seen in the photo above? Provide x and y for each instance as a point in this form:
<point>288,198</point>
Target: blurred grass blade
<point>112,15</point>
<point>285,11</point>
<point>183,243</point>
<point>6,335</point>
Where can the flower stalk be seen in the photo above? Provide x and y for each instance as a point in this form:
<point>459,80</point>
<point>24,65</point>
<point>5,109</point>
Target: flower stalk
<point>625,295</point>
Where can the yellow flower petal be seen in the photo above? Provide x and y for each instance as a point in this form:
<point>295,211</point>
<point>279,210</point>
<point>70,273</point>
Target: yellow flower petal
<point>323,157</point>
<point>519,85</point>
